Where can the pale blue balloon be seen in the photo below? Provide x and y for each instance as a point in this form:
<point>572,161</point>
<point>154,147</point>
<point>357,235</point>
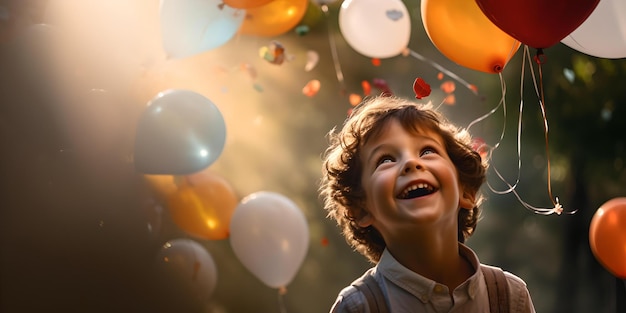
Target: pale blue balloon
<point>180,132</point>
<point>190,27</point>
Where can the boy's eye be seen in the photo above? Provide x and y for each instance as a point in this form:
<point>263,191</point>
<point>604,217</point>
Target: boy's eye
<point>428,150</point>
<point>384,159</point>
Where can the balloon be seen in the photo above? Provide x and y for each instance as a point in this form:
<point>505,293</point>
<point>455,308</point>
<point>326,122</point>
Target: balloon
<point>607,236</point>
<point>190,27</point>
<point>274,18</point>
<point>186,267</point>
<point>203,205</point>
<point>537,23</point>
<point>609,20</point>
<point>246,4</point>
<point>270,236</point>
<point>462,33</point>
<point>179,133</point>
<point>375,28</point>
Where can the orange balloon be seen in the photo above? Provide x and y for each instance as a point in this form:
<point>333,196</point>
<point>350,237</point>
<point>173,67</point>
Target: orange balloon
<point>607,236</point>
<point>203,205</point>
<point>274,18</point>
<point>461,32</point>
<point>162,186</point>
<point>246,4</point>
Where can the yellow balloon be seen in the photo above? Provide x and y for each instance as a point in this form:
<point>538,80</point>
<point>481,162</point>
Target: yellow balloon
<point>274,18</point>
<point>203,205</point>
<point>461,32</point>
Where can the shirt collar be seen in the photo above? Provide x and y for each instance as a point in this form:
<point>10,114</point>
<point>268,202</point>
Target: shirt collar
<point>420,286</point>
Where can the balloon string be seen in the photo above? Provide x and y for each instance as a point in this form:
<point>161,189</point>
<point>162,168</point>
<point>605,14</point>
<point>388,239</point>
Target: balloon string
<point>540,59</point>
<point>491,151</point>
<point>444,70</point>
<point>281,302</point>
<point>558,209</point>
<point>502,103</point>
<point>333,51</point>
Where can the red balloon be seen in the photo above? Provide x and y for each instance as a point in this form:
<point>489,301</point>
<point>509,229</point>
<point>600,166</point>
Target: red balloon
<point>538,23</point>
<point>607,236</point>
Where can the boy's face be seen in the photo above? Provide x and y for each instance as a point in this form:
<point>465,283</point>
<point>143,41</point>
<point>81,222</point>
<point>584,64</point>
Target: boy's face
<point>409,180</point>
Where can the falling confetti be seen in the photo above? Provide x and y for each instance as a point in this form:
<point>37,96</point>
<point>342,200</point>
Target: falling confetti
<point>381,84</point>
<point>324,242</point>
<point>354,99</point>
<point>367,88</point>
<point>421,88</point>
<point>448,86</point>
<point>312,58</point>
<point>274,53</point>
<point>440,76</point>
<point>479,145</point>
<point>376,61</point>
<point>249,70</point>
<point>302,30</point>
<point>311,88</point>
<point>449,99</point>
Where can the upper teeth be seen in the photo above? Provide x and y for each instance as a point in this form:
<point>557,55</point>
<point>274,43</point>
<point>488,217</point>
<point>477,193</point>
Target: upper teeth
<point>410,188</point>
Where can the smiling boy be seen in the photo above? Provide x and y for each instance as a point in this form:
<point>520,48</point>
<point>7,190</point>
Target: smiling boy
<point>404,185</point>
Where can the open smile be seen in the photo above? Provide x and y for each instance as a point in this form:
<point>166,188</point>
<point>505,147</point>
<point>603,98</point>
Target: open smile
<point>416,190</point>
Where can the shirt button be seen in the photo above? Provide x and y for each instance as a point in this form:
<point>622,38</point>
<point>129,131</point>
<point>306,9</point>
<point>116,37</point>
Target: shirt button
<point>438,288</point>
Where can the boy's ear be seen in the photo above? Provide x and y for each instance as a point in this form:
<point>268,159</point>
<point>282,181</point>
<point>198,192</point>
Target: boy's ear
<point>366,219</point>
<point>467,200</point>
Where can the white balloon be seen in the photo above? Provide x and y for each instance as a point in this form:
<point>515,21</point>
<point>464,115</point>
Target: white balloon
<point>185,266</point>
<point>375,28</point>
<point>191,27</point>
<point>270,236</point>
<point>603,33</point>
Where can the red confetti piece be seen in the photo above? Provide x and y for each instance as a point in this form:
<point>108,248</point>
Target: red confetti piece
<point>479,145</point>
<point>324,242</point>
<point>440,76</point>
<point>376,61</point>
<point>311,88</point>
<point>421,88</point>
<point>448,86</point>
<point>367,88</point>
<point>381,84</point>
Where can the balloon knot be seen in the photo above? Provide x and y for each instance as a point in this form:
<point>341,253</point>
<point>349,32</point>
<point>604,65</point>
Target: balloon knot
<point>282,290</point>
<point>558,208</point>
<point>540,57</point>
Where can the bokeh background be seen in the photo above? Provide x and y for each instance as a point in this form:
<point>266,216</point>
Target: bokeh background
<point>81,230</point>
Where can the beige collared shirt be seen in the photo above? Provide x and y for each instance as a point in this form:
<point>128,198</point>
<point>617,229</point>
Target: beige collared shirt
<point>406,291</point>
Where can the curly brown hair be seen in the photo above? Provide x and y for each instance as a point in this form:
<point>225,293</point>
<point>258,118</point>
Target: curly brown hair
<point>341,187</point>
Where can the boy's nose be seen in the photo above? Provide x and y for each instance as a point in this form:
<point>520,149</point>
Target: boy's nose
<point>411,165</point>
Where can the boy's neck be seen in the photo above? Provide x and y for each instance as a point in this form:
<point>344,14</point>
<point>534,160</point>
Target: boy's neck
<point>435,259</point>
